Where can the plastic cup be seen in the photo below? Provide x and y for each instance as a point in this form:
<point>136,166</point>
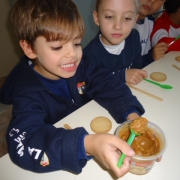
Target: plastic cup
<point>142,165</point>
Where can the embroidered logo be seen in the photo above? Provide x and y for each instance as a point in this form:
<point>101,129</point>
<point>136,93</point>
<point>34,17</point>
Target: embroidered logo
<point>81,87</point>
<point>45,160</point>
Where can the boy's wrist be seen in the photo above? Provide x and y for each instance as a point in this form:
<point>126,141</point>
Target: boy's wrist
<point>87,144</point>
<point>88,140</point>
<point>82,154</point>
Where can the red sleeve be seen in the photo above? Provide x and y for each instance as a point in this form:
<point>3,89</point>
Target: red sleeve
<point>174,47</point>
<point>161,23</point>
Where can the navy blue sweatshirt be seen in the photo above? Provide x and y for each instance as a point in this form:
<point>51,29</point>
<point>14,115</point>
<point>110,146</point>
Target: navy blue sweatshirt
<point>129,58</point>
<point>31,136</point>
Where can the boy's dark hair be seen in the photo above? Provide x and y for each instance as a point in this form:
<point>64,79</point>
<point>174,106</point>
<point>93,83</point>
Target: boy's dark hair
<point>52,19</point>
<point>172,6</point>
<point>97,4</point>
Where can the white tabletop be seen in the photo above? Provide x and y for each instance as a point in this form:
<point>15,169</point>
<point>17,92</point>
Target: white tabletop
<point>163,113</point>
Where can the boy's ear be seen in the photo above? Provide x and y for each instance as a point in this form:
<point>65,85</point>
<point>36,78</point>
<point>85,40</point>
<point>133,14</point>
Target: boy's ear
<point>26,47</point>
<point>95,16</point>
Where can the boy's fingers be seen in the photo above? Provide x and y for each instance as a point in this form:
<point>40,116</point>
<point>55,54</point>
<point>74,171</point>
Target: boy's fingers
<point>161,43</point>
<point>144,73</point>
<point>119,172</point>
<point>125,148</point>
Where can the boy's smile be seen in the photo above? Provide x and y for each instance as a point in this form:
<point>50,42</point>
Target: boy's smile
<point>69,67</point>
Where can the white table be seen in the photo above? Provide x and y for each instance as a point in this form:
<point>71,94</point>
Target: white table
<point>163,113</point>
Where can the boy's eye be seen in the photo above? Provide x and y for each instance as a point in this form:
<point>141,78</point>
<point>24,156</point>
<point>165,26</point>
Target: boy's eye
<point>56,48</point>
<point>108,17</point>
<point>78,44</point>
<point>127,19</point>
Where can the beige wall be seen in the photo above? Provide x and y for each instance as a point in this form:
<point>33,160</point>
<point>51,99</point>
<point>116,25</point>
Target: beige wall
<point>9,47</point>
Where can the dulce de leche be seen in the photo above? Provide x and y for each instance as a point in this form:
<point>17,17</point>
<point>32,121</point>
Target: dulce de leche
<point>146,144</point>
<point>139,125</point>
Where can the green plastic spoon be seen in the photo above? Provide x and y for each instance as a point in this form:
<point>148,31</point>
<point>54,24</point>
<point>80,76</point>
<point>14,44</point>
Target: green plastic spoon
<point>129,141</point>
<point>164,86</point>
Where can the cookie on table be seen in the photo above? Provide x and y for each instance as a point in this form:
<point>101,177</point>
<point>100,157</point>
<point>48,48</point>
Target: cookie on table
<point>178,58</point>
<point>158,76</point>
<point>101,125</point>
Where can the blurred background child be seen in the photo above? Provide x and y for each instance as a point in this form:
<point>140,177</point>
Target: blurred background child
<point>167,26</point>
<point>144,25</point>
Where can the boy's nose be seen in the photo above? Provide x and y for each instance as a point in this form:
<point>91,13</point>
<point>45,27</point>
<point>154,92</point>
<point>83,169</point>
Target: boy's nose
<point>118,25</point>
<point>71,52</point>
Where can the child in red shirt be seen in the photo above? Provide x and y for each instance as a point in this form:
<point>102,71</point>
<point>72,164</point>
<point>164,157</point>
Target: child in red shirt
<point>167,26</point>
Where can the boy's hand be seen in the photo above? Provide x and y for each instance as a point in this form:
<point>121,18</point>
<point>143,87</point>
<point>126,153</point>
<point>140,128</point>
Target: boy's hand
<point>159,50</point>
<point>134,76</point>
<point>133,116</point>
<point>106,148</point>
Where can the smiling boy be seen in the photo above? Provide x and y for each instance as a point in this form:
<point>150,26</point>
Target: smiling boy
<point>43,90</point>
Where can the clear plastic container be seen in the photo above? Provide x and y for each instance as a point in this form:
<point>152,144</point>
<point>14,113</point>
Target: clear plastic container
<point>139,164</point>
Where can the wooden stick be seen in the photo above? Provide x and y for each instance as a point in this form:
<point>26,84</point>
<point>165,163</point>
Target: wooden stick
<point>145,92</point>
<point>67,126</point>
<point>176,67</point>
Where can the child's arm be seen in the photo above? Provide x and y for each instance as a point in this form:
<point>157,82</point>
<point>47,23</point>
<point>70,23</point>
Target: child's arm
<point>106,148</point>
<point>135,74</point>
<point>109,92</point>
<point>161,33</point>
<point>155,53</point>
<point>147,58</point>
<point>35,144</point>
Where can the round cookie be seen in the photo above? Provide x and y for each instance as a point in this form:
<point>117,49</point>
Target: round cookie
<point>158,76</point>
<point>101,124</point>
<point>178,58</point>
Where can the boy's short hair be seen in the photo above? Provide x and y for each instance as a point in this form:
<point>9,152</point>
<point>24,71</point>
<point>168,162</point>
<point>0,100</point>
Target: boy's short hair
<point>98,2</point>
<point>172,6</point>
<point>52,19</point>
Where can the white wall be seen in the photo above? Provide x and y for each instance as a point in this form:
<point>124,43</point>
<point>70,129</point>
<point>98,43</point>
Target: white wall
<point>9,48</point>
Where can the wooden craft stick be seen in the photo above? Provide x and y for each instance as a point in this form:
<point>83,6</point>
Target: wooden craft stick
<point>176,67</point>
<point>145,92</point>
<point>67,126</point>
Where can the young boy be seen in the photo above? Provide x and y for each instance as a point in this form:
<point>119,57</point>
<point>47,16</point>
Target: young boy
<point>167,26</point>
<point>145,25</point>
<point>43,90</point>
<point>117,46</point>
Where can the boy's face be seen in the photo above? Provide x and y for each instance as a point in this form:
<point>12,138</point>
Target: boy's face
<point>149,7</point>
<point>116,19</point>
<point>57,59</point>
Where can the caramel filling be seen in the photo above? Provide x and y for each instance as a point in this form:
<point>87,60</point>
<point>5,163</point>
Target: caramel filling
<point>146,144</point>
<point>139,125</point>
